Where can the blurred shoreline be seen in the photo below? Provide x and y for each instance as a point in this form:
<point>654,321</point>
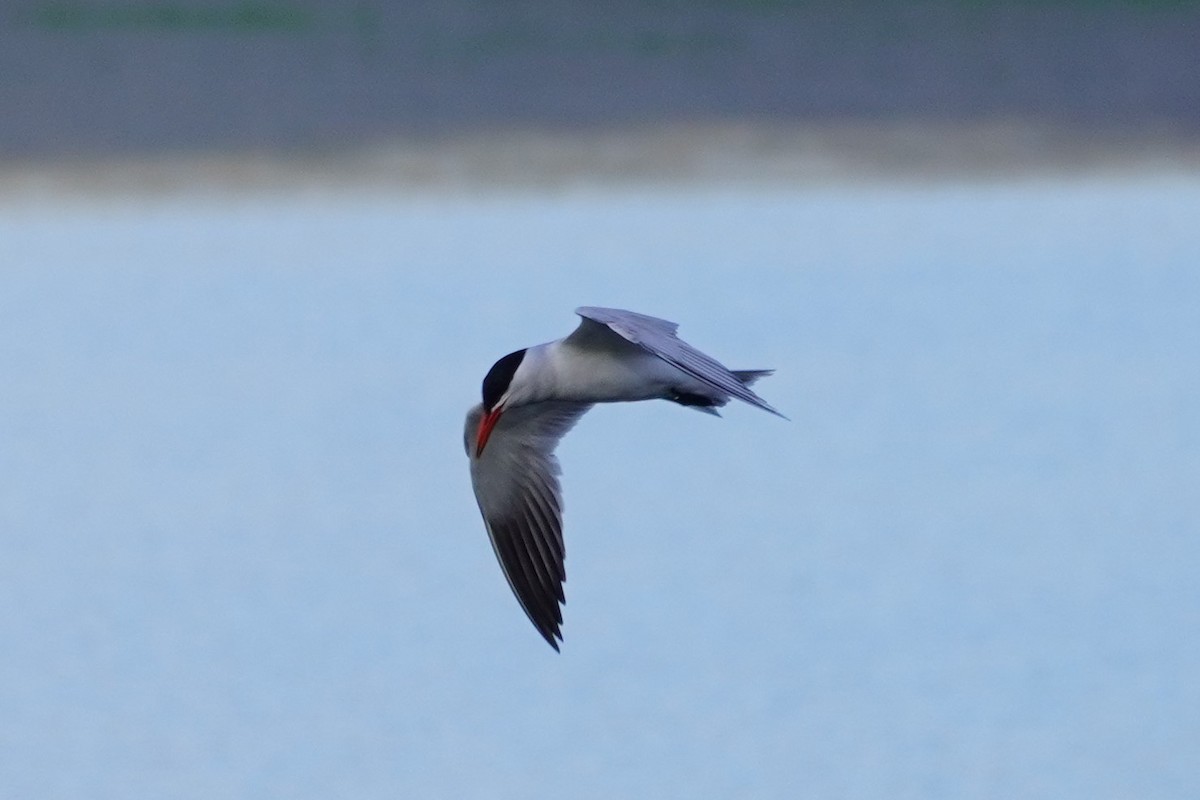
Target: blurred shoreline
<point>117,96</point>
<point>720,153</point>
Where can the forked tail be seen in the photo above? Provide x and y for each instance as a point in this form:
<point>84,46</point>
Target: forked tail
<point>709,403</point>
<point>749,376</point>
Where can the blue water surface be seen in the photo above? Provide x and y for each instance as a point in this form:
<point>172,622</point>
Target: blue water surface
<point>240,558</point>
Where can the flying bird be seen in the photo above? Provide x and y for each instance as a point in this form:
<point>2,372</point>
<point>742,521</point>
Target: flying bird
<point>533,396</point>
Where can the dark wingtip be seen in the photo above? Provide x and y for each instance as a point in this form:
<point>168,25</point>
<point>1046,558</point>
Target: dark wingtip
<point>549,636</point>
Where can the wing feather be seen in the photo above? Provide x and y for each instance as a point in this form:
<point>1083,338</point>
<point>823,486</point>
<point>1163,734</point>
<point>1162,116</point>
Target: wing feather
<point>516,486</point>
<point>657,336</point>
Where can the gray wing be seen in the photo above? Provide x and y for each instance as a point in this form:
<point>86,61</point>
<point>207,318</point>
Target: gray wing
<point>657,336</point>
<point>516,486</point>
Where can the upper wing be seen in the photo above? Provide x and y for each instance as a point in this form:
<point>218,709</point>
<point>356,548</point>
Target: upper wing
<point>657,336</point>
<point>516,486</point>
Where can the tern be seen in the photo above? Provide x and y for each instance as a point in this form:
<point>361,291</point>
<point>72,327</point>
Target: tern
<point>534,396</point>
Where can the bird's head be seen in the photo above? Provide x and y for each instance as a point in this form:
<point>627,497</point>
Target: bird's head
<point>497,393</point>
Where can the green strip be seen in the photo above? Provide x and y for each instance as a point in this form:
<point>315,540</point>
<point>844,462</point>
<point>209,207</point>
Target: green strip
<point>245,17</point>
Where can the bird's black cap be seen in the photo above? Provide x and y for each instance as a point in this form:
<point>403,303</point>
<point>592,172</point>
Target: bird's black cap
<point>497,381</point>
